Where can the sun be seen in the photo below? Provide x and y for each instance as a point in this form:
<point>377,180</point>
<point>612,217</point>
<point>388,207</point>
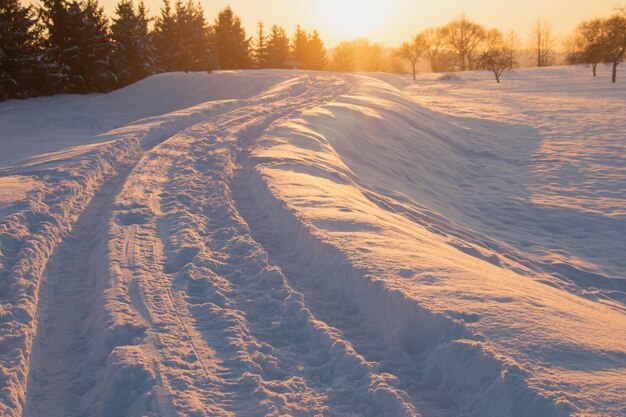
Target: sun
<point>353,18</point>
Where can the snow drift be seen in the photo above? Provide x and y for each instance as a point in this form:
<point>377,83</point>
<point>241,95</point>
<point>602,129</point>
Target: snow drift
<point>286,243</point>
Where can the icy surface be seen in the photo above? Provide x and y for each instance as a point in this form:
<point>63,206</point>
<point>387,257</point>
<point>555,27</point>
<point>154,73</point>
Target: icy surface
<point>288,243</point>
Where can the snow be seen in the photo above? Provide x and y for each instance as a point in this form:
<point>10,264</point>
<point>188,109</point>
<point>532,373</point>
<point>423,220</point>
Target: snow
<point>299,243</point>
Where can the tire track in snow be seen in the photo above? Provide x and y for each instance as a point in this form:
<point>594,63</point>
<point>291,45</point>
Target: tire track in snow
<point>32,234</point>
<point>334,308</point>
<point>266,354</point>
<point>64,369</point>
<point>60,364</point>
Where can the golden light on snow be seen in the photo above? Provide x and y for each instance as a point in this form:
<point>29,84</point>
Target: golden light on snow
<point>353,18</point>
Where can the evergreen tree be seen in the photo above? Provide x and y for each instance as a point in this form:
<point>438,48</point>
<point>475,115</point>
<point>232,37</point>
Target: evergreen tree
<point>278,48</point>
<point>316,55</point>
<point>134,53</point>
<point>231,45</point>
<point>299,47</point>
<point>79,33</point>
<point>25,65</point>
<point>165,37</point>
<point>182,38</point>
<point>194,43</point>
<point>260,47</point>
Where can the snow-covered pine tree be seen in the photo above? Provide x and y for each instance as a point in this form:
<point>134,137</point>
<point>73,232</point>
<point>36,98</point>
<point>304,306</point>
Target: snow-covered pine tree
<point>80,34</point>
<point>133,57</point>
<point>260,47</point>
<point>231,44</point>
<point>25,67</point>
<point>278,48</point>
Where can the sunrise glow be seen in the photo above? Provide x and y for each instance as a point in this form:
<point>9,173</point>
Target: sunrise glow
<point>353,18</point>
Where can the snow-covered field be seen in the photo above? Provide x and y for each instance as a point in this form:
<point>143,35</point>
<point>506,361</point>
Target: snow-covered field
<point>291,243</point>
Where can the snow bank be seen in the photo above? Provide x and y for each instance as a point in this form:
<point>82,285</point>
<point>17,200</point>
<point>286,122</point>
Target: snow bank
<point>29,235</point>
<point>47,124</point>
<point>356,188</point>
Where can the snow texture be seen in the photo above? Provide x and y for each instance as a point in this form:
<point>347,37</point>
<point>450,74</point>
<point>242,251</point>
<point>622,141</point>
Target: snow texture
<point>272,243</point>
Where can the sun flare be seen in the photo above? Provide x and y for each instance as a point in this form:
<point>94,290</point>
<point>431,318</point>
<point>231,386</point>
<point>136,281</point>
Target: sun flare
<point>353,18</point>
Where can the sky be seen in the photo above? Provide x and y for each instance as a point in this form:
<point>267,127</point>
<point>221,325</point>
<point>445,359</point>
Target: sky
<point>393,21</point>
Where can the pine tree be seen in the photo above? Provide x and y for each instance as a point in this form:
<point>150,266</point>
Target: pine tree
<point>316,56</point>
<point>79,32</point>
<point>194,44</point>
<point>278,48</point>
<point>165,38</point>
<point>231,44</point>
<point>134,53</point>
<point>299,48</point>
<point>182,38</point>
<point>260,47</point>
<point>25,67</point>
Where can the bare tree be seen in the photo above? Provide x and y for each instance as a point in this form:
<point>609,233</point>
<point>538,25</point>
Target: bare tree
<point>464,37</point>
<point>413,50</point>
<point>615,41</point>
<point>496,54</point>
<point>438,53</point>
<point>542,42</point>
<point>513,46</point>
<point>587,44</point>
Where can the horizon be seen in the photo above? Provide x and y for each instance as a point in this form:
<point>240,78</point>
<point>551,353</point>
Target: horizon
<point>406,17</point>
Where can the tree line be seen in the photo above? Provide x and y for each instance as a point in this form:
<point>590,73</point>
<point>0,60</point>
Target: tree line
<point>598,41</point>
<point>71,46</point>
<point>462,45</point>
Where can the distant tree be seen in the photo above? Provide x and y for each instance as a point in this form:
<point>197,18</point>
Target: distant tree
<point>165,37</point>
<point>513,45</point>
<point>194,46</point>
<point>26,67</point>
<point>79,34</point>
<point>542,42</point>
<point>439,55</point>
<point>496,54</point>
<point>183,39</point>
<point>278,48</point>
<point>343,57</point>
<point>316,53</point>
<point>413,50</point>
<point>260,47</point>
<point>134,55</point>
<point>587,44</point>
<point>231,44</point>
<point>361,55</point>
<point>464,37</point>
<point>615,41</point>
<point>299,47</point>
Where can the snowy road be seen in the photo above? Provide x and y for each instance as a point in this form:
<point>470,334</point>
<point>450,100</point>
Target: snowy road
<point>303,245</point>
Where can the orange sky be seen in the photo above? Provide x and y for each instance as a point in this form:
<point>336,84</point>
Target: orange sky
<point>392,21</point>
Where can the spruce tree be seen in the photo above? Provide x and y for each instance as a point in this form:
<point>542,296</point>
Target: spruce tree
<point>260,47</point>
<point>79,32</point>
<point>316,56</point>
<point>299,48</point>
<point>165,37</point>
<point>134,54</point>
<point>278,48</point>
<point>182,38</point>
<point>194,45</point>
<point>231,45</point>
<point>26,69</point>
